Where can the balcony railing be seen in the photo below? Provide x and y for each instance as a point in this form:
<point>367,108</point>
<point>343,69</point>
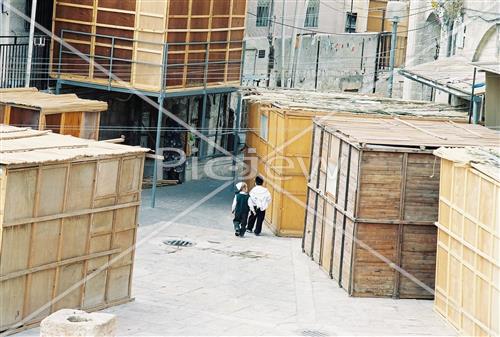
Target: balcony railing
<point>14,57</point>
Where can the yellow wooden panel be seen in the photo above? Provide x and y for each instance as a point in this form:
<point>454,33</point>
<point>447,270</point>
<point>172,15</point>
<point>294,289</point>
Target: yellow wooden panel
<point>20,194</point>
<point>445,179</point>
<point>52,185</point>
<point>68,286</point>
<point>131,175</point>
<point>107,175</point>
<point>444,215</point>
<point>40,293</point>
<point>81,186</point>
<point>74,230</point>
<point>11,301</point>
<point>42,234</point>
<point>15,241</point>
<point>293,215</point>
<point>441,268</point>
<point>118,283</point>
<point>299,136</point>
<point>486,203</point>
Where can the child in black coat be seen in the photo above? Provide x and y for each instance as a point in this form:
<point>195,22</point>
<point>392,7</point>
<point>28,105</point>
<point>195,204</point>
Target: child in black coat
<point>240,209</point>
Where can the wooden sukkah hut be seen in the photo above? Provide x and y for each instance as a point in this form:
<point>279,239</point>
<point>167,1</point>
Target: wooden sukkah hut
<point>468,248</point>
<point>65,114</point>
<point>149,45</point>
<point>68,210</point>
<point>279,140</point>
<point>372,201</point>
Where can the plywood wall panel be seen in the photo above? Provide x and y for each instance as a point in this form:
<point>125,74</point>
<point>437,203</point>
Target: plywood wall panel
<point>467,270</point>
<point>66,248</point>
<point>20,197</point>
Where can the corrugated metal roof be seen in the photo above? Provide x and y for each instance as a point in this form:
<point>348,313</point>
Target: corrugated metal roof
<point>48,103</point>
<point>27,146</point>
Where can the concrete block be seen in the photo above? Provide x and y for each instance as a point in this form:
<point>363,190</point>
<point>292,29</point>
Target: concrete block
<point>78,323</point>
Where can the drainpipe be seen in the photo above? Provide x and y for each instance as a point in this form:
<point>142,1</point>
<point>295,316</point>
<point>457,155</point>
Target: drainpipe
<point>30,44</point>
<point>293,42</point>
<point>283,45</point>
<point>270,38</point>
<point>393,54</point>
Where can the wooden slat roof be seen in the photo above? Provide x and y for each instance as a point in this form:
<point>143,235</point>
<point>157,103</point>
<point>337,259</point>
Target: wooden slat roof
<point>302,102</point>
<point>393,131</point>
<point>48,103</point>
<point>27,146</point>
<point>483,159</point>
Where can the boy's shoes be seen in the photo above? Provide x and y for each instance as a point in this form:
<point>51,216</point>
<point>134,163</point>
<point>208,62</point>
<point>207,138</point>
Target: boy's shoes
<point>236,234</point>
<point>257,234</point>
<point>249,230</point>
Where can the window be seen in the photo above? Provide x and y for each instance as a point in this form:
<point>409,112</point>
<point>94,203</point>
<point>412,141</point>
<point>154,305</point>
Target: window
<point>262,53</point>
<point>350,22</point>
<point>312,14</point>
<point>263,12</point>
<point>263,127</point>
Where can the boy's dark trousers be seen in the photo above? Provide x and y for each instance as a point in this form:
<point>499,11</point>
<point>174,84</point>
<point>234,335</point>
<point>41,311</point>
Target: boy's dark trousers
<point>240,223</point>
<point>257,217</point>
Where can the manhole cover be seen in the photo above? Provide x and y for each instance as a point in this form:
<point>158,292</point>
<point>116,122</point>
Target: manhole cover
<point>314,333</point>
<point>178,243</point>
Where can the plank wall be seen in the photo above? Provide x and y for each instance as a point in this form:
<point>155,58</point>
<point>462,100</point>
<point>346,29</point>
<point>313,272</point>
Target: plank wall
<point>60,224</point>
<point>382,200</point>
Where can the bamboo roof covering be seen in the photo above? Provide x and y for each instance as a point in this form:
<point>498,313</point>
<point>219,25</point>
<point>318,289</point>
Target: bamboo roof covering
<point>27,146</point>
<point>300,101</point>
<point>483,159</point>
<point>49,103</point>
<point>396,132</point>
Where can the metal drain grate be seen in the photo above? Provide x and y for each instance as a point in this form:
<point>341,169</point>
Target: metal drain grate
<point>178,243</point>
<point>314,333</point>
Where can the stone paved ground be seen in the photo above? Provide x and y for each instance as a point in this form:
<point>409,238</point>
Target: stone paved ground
<point>224,285</point>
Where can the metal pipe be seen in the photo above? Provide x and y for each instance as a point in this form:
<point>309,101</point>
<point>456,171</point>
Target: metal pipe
<point>393,55</point>
<point>293,45</point>
<point>283,45</point>
<point>30,44</point>
<point>159,122</point>
<point>203,145</point>
<point>237,117</point>
<point>471,105</point>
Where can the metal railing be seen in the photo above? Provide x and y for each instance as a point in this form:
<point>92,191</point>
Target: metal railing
<point>106,64</point>
<point>13,59</point>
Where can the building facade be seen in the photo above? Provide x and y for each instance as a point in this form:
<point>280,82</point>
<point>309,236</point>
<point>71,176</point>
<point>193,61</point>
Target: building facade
<point>470,32</point>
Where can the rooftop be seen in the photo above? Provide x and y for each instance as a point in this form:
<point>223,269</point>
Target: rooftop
<point>454,75</point>
<point>27,146</point>
<point>393,131</point>
<point>483,159</point>
<point>492,67</point>
<point>301,101</point>
<point>49,103</point>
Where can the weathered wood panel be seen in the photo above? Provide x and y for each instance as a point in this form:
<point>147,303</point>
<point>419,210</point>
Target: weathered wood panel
<point>62,233</point>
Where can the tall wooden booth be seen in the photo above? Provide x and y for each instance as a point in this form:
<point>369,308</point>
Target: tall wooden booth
<point>373,201</point>
<point>68,219</point>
